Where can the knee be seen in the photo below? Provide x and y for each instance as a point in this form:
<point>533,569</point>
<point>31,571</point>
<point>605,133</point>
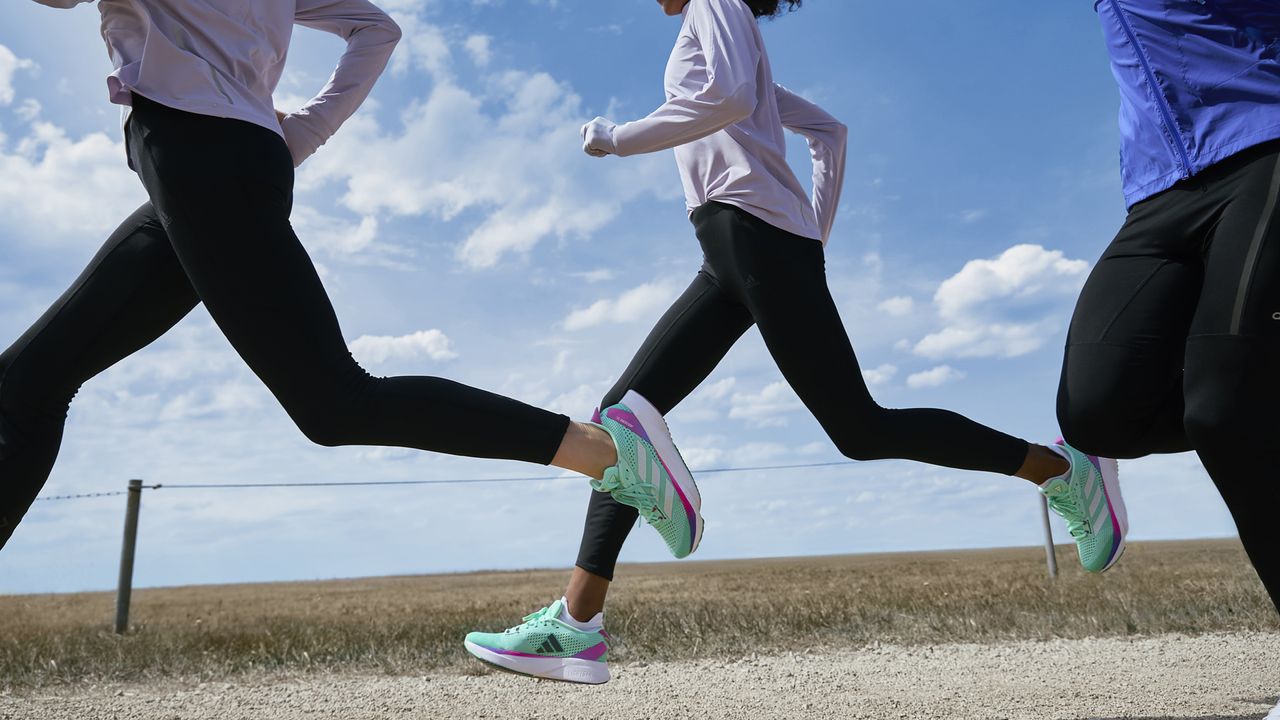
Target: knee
<point>332,409</point>
<point>863,438</point>
<point>1231,391</point>
<point>1095,423</point>
<point>861,449</point>
<point>1097,428</point>
<point>1214,420</point>
<point>328,420</point>
<point>323,428</point>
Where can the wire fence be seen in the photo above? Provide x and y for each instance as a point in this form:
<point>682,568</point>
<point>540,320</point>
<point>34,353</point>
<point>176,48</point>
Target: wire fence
<point>124,589</point>
<point>403,483</point>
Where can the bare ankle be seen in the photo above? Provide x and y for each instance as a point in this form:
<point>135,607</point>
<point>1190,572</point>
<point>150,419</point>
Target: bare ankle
<point>585,595</point>
<point>1042,464</point>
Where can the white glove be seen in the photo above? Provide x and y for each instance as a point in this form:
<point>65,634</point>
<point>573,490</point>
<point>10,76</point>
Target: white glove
<point>597,138</point>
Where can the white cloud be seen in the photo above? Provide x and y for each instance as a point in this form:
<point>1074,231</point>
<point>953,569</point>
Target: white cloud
<point>375,350</point>
<point>766,408</point>
<point>709,403</point>
<point>969,217</point>
<point>936,377</point>
<point>717,390</point>
<point>10,64</point>
<point>332,235</point>
<point>1019,272</point>
<point>594,276</point>
<point>640,303</point>
<point>53,187</point>
<point>214,400</point>
<point>503,162</point>
<point>29,109</point>
<point>516,229</point>
<point>480,47</point>
<point>879,375</point>
<point>992,340</point>
<point>422,47</point>
<point>1004,306</point>
<point>897,306</point>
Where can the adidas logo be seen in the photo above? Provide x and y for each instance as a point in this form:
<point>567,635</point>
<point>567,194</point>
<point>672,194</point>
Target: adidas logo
<point>551,645</point>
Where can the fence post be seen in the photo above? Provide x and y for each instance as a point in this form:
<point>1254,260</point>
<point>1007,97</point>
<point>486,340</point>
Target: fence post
<point>1050,555</point>
<point>125,589</point>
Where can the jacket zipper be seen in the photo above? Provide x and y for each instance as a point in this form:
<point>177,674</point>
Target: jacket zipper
<point>1167,112</point>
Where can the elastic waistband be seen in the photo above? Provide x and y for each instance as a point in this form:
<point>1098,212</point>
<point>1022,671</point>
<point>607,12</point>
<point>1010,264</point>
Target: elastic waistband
<point>152,111</point>
<point>710,209</point>
<point>141,103</point>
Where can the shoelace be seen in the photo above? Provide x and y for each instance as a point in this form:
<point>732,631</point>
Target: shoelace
<point>1067,505</point>
<point>539,615</point>
<point>641,496</point>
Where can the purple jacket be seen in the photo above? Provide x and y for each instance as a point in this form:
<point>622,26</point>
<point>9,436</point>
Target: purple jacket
<point>1199,82</point>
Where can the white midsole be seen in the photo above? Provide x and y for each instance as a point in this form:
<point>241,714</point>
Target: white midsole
<point>1111,480</point>
<point>592,672</point>
<point>660,438</point>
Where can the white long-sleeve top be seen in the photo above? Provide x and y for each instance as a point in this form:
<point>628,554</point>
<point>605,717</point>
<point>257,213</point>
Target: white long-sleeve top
<point>725,117</point>
<point>224,58</point>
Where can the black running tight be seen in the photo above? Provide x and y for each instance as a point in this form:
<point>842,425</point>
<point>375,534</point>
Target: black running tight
<point>756,274</point>
<point>217,232</point>
<point>1175,342</point>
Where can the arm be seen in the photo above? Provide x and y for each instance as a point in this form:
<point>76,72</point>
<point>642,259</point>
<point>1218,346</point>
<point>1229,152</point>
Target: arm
<point>371,37</point>
<point>828,143</point>
<point>725,30</point>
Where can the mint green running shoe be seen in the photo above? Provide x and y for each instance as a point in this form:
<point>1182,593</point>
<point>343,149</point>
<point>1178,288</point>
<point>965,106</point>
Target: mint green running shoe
<point>1089,499</point>
<point>546,647</point>
<point>650,475</point>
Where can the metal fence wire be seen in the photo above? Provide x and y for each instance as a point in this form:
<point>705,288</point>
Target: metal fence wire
<point>134,492</point>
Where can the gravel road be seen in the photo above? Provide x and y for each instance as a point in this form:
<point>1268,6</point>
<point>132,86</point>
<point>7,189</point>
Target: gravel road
<point>1215,677</point>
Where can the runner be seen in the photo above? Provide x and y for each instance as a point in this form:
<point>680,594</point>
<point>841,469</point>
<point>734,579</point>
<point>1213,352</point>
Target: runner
<point>763,242</point>
<point>1175,342</point>
<point>218,164</point>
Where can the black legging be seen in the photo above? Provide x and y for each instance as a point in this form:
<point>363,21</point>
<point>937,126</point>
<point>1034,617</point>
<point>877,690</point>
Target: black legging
<point>217,231</point>
<point>757,274</point>
<point>1175,342</point>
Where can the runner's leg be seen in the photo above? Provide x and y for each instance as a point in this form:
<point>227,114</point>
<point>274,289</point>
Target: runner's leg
<point>225,205</point>
<point>131,293</point>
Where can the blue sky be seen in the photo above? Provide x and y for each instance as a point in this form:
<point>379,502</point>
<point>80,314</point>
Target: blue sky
<point>461,232</point>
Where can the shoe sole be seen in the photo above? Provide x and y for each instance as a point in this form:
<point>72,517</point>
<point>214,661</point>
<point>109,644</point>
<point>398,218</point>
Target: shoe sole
<point>1110,470</point>
<point>574,670</point>
<point>660,438</point>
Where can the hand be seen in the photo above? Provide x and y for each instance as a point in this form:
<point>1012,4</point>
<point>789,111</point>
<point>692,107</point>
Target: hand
<point>597,138</point>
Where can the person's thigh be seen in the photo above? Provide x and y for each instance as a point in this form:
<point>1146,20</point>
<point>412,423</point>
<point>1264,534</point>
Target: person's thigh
<point>1231,385</point>
<point>684,347</point>
<point>1120,393</point>
<point>781,278</point>
<point>225,202</point>
<point>131,293</point>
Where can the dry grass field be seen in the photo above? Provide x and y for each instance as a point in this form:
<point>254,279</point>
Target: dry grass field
<point>402,626</point>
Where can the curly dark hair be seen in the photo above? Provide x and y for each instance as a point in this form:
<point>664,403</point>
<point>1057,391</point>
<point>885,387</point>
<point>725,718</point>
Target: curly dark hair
<point>772,8</point>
